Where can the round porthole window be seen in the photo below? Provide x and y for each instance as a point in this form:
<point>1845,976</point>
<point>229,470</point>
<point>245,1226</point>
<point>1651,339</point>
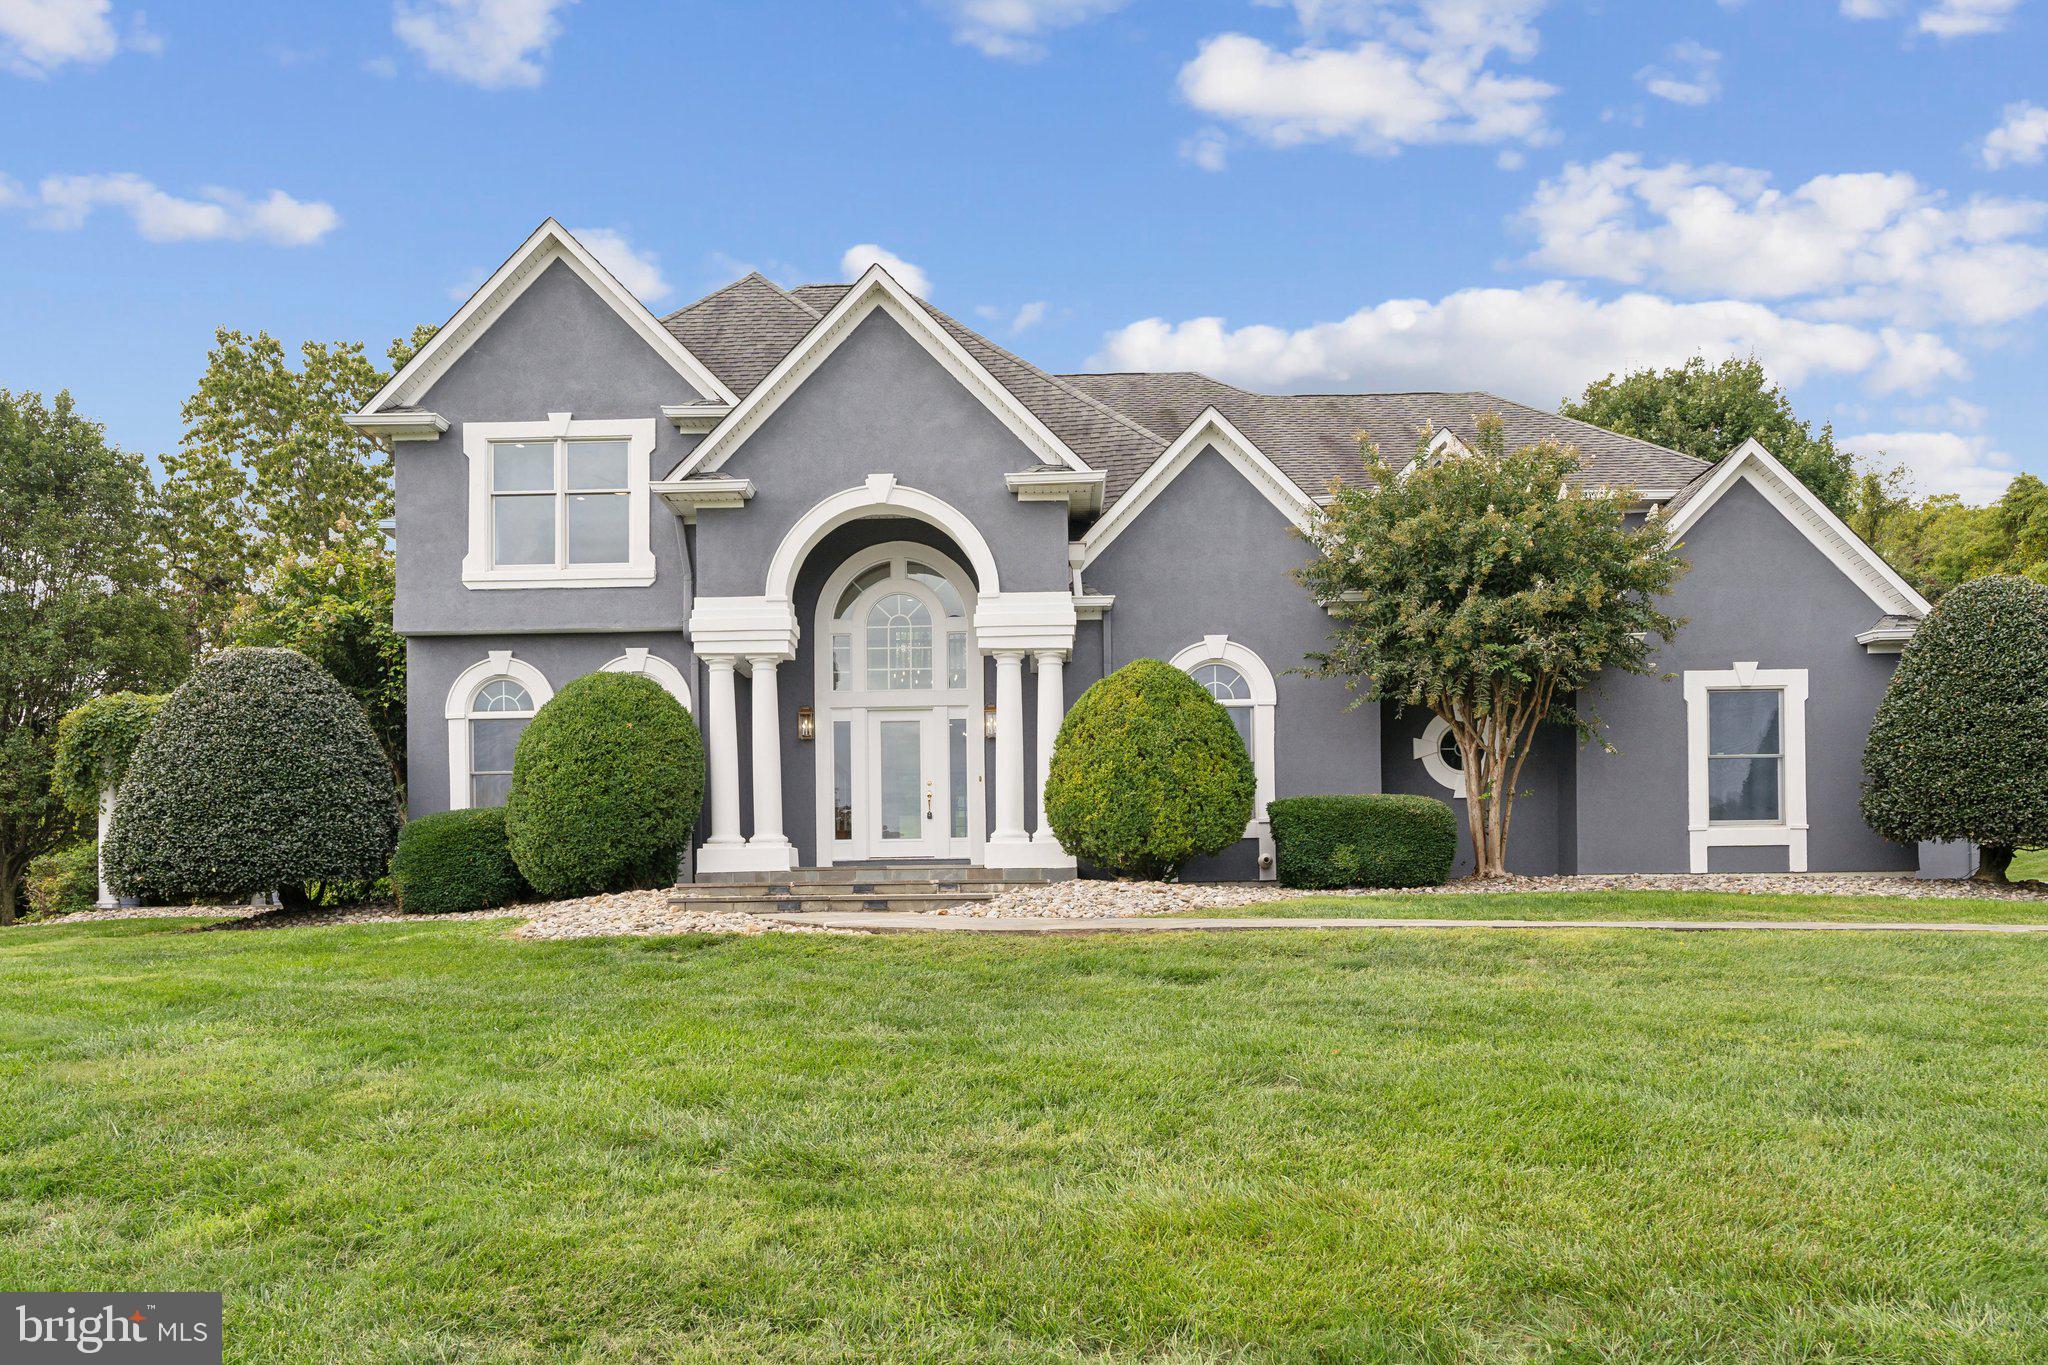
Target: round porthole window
<point>1437,747</point>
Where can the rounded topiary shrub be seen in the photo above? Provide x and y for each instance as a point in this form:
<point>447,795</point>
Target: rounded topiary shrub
<point>1959,749</point>
<point>1328,842</point>
<point>1147,773</point>
<point>259,774</point>
<point>606,784</point>
<point>95,743</point>
<point>455,861</point>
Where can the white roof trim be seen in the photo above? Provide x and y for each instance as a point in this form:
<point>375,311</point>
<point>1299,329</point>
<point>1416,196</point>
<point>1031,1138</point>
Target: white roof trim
<point>1211,428</point>
<point>1864,566</point>
<point>877,289</point>
<point>549,243</point>
<point>398,426</point>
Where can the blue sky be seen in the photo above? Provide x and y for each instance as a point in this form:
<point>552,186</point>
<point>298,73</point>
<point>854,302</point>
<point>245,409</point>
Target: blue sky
<point>1308,195</point>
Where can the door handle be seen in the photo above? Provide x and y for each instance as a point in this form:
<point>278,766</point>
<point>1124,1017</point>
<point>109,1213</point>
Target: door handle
<point>927,800</point>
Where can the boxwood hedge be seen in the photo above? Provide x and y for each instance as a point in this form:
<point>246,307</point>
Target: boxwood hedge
<point>259,774</point>
<point>1328,842</point>
<point>455,861</point>
<point>606,785</point>
<point>1147,773</point>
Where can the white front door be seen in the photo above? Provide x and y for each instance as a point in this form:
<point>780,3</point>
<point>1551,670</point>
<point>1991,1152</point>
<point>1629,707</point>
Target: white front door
<point>907,815</point>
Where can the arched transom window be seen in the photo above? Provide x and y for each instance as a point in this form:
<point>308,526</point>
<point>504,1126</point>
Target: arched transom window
<point>487,710</point>
<point>1240,680</point>
<point>1229,687</point>
<point>899,626</point>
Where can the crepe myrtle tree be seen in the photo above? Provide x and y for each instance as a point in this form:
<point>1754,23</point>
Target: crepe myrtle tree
<point>1489,589</point>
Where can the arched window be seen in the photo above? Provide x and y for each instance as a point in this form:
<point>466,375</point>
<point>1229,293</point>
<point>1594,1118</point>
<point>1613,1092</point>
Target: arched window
<point>899,644</point>
<point>1240,680</point>
<point>488,708</point>
<point>1437,747</point>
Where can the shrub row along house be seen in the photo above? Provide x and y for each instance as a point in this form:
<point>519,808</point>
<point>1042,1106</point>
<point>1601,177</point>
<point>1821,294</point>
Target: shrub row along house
<point>878,556</point>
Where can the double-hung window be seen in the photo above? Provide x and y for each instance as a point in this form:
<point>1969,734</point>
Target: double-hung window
<point>1745,756</point>
<point>1746,763</point>
<point>560,503</point>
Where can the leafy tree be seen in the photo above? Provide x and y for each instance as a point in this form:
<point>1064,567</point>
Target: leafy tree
<point>1488,590</point>
<point>95,742</point>
<point>267,473</point>
<point>1959,749</point>
<point>335,608</point>
<point>1710,410</point>
<point>1147,773</point>
<point>80,611</point>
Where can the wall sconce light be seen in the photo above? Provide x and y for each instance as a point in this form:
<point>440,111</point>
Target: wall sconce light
<point>988,723</point>
<point>806,724</point>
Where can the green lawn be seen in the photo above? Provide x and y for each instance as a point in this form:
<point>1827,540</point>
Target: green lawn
<point>434,1143</point>
<point>2029,864</point>
<point>1641,905</point>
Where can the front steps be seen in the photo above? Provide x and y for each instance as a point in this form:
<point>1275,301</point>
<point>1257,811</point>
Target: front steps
<point>899,887</point>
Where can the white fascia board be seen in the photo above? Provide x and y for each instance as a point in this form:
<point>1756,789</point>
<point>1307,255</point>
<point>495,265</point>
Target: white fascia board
<point>398,426</point>
<point>549,243</point>
<point>1081,492</point>
<point>696,417</point>
<point>1828,533</point>
<point>1212,428</point>
<point>877,289</point>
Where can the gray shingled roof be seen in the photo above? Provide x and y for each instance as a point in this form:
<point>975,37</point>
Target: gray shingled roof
<point>1121,423</point>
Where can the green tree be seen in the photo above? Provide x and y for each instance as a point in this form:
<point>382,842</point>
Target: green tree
<point>1710,410</point>
<point>1488,590</point>
<point>1959,749</point>
<point>335,608</point>
<point>80,605</point>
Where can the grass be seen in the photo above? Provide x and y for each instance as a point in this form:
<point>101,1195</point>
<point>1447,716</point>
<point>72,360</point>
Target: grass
<point>2029,864</point>
<point>1641,905</point>
<point>434,1143</point>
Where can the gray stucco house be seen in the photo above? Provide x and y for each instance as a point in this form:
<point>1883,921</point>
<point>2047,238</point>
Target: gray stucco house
<point>878,556</point>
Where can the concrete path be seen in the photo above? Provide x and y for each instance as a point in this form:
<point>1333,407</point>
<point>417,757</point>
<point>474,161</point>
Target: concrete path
<point>914,922</point>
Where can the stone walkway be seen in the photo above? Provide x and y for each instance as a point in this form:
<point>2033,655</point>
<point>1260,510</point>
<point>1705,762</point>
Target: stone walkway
<point>915,922</point>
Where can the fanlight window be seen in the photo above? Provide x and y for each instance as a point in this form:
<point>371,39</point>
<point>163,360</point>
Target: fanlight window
<point>498,716</point>
<point>1228,686</point>
<point>899,644</point>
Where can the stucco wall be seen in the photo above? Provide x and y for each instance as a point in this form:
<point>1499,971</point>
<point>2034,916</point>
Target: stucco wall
<point>1541,834</point>
<point>880,404</point>
<point>1758,591</point>
<point>433,663</point>
<point>558,348</point>
<point>1211,556</point>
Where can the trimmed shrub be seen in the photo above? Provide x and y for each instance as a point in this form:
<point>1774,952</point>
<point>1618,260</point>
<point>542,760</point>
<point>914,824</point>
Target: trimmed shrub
<point>1329,842</point>
<point>1959,749</point>
<point>95,743</point>
<point>260,774</point>
<point>606,785</point>
<point>64,880</point>
<point>454,861</point>
<point>1147,773</point>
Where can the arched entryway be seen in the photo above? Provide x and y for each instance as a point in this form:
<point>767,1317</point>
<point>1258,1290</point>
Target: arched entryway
<point>898,683</point>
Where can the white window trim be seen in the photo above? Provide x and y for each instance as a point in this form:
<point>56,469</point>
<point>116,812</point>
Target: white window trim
<point>499,663</point>
<point>1220,649</point>
<point>647,664</point>
<point>478,571</point>
<point>1787,832</point>
<point>1429,748</point>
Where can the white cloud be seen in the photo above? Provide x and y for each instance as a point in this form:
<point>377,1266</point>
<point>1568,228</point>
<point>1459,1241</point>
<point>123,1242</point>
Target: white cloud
<point>1535,344</point>
<point>1846,246</point>
<point>491,43</point>
<point>1207,150</point>
<point>1941,461</point>
<point>1941,18</point>
<point>1029,316</point>
<point>1412,73</point>
<point>38,36</point>
<point>857,259</point>
<point>2020,139</point>
<point>1015,29</point>
<point>1690,74</point>
<point>217,214</point>
<point>638,270</point>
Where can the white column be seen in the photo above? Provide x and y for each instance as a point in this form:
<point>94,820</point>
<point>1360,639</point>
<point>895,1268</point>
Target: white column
<point>722,738</point>
<point>1052,708</point>
<point>106,900</point>
<point>767,720</point>
<point>1009,749</point>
